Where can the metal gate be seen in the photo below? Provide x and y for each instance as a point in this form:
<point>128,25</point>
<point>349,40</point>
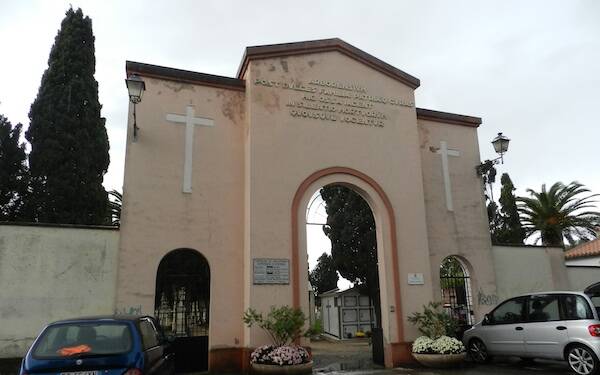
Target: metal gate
<point>182,307</point>
<point>457,298</point>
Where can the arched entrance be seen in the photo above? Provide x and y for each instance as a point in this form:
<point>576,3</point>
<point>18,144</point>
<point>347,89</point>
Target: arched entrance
<point>395,349</point>
<point>182,306</point>
<point>457,297</point>
<point>341,223</point>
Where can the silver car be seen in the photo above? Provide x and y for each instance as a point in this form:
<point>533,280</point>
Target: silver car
<point>551,325</point>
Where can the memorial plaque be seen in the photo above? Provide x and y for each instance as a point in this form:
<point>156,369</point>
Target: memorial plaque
<point>271,271</point>
<point>416,279</point>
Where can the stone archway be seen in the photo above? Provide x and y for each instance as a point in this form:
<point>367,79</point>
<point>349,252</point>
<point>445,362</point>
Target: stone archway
<point>395,348</point>
<point>182,306</point>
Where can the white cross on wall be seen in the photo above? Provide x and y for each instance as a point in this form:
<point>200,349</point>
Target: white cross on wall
<point>189,120</point>
<point>444,151</point>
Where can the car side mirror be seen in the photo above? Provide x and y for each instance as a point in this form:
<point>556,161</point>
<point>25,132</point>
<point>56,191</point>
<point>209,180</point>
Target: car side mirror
<point>486,319</point>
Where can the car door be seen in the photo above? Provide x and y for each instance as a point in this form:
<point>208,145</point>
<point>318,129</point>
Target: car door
<point>545,333</point>
<point>503,333</point>
<point>154,362</point>
<point>578,316</point>
<point>168,367</point>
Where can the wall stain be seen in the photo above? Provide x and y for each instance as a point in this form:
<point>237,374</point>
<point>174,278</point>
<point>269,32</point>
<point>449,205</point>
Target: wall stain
<point>9,312</point>
<point>284,65</point>
<point>144,295</point>
<point>271,102</point>
<point>66,269</point>
<point>178,86</point>
<point>311,63</point>
<point>233,105</point>
<point>272,68</point>
<point>423,137</point>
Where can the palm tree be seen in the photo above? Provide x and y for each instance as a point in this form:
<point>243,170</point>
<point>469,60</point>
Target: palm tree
<point>560,214</point>
<point>114,207</point>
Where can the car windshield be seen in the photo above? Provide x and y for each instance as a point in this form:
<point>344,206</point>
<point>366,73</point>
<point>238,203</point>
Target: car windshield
<point>83,339</point>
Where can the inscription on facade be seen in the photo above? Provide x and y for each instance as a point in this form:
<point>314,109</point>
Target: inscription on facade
<point>336,101</point>
<point>271,271</point>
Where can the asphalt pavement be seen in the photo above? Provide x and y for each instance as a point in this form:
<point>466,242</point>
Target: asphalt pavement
<point>502,366</point>
<point>353,357</point>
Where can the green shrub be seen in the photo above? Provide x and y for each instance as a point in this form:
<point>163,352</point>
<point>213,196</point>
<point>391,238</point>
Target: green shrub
<point>283,324</point>
<point>433,322</point>
<point>317,327</point>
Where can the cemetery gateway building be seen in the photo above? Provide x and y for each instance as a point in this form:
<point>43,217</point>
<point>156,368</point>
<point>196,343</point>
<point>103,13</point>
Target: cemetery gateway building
<point>220,172</point>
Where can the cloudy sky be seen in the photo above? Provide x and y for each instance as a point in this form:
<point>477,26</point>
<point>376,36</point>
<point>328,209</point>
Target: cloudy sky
<point>530,69</point>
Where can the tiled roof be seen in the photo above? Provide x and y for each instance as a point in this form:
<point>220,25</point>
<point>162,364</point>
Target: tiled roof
<point>587,249</point>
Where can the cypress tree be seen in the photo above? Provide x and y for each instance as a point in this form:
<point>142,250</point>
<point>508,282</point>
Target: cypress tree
<point>494,219</point>
<point>69,144</point>
<point>511,231</point>
<point>324,277</point>
<point>351,229</point>
<point>13,172</point>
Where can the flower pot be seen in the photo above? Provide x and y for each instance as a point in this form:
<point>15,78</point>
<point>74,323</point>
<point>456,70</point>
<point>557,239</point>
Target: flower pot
<point>303,368</point>
<point>440,360</point>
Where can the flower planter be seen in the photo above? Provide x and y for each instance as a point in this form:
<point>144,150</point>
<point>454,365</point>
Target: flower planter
<point>440,360</point>
<point>304,368</point>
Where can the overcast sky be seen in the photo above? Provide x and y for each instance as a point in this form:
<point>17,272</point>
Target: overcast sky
<point>530,69</point>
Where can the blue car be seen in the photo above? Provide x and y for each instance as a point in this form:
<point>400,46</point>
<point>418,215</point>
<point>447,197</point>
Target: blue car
<point>105,345</point>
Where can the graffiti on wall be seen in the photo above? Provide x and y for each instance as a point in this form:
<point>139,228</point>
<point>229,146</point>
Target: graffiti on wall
<point>129,310</point>
<point>486,299</point>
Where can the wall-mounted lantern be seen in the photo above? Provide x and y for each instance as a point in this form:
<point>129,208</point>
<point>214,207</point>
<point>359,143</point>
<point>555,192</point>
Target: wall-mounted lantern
<point>500,144</point>
<point>136,88</point>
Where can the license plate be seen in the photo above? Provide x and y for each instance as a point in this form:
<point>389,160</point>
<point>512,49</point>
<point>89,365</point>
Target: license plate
<point>80,373</point>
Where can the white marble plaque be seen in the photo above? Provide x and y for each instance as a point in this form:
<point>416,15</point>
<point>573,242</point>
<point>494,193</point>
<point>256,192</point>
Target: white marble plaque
<point>416,279</point>
<point>271,271</point>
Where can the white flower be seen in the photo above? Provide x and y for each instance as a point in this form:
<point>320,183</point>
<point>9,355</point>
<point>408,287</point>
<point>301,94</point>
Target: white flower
<point>282,355</point>
<point>446,345</point>
<point>422,345</point>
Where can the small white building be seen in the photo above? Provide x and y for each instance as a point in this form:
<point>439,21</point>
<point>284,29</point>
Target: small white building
<point>583,264</point>
<point>346,312</point>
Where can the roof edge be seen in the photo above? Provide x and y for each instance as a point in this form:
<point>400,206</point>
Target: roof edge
<point>448,118</point>
<point>56,225</point>
<point>324,45</point>
<point>187,76</point>
<point>584,250</point>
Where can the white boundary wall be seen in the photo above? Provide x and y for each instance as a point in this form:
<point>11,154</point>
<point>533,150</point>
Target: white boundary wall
<point>49,273</point>
<point>583,272</point>
<point>525,269</point>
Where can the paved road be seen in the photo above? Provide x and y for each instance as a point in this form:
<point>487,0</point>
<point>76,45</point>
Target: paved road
<point>353,357</point>
<point>504,366</point>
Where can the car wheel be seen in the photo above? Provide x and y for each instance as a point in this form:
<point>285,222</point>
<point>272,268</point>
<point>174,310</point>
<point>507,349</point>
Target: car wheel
<point>478,352</point>
<point>582,360</point>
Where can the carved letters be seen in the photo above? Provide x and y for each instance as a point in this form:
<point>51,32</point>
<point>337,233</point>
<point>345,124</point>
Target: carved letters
<point>336,101</point>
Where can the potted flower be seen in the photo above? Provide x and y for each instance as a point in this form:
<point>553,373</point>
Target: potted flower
<point>436,348</point>
<point>284,325</point>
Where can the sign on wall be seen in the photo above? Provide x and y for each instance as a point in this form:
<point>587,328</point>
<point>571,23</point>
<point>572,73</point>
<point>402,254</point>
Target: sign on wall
<point>416,279</point>
<point>271,271</point>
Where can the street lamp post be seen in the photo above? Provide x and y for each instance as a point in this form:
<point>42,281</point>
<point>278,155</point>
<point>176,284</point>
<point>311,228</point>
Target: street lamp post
<point>136,88</point>
<point>500,144</point>
<point>486,169</point>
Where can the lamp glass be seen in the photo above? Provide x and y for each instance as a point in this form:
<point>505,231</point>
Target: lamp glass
<point>500,144</point>
<point>136,87</point>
